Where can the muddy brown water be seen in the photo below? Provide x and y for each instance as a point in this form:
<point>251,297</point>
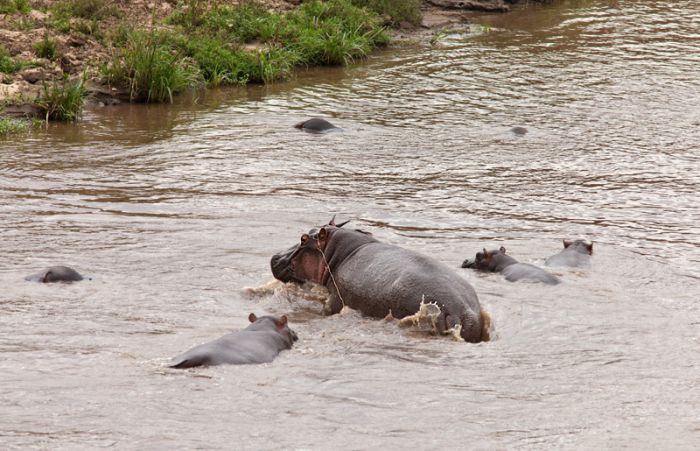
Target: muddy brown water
<point>174,209</point>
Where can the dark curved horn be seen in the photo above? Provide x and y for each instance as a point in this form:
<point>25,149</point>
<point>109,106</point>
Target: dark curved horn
<point>342,224</point>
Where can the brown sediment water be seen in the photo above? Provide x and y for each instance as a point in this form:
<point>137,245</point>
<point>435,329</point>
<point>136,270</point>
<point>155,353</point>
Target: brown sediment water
<point>173,209</point>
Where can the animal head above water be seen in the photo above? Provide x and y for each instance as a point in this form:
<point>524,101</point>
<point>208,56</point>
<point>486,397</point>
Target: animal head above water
<point>579,245</point>
<point>485,260</point>
<point>317,253</point>
<point>280,325</point>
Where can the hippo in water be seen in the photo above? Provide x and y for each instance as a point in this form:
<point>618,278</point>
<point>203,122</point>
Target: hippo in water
<point>316,125</point>
<point>56,274</point>
<point>260,342</point>
<point>497,261</point>
<point>519,131</point>
<point>379,279</point>
<point>576,254</point>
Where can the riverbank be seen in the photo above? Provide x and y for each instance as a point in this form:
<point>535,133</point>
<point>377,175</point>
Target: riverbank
<point>56,53</point>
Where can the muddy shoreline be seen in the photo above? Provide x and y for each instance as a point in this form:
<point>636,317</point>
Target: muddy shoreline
<point>83,47</point>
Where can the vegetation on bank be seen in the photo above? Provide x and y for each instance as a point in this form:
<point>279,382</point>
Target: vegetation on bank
<point>197,43</point>
<point>240,44</point>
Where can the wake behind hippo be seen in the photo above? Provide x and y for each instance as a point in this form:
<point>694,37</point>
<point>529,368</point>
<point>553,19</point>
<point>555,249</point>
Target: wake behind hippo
<point>497,261</point>
<point>56,274</point>
<point>377,279</point>
<point>576,254</point>
<point>260,342</point>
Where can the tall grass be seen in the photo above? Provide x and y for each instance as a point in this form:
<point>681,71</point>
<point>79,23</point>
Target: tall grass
<point>210,45</point>
<point>14,6</point>
<point>9,126</point>
<point>63,100</point>
<point>46,48</point>
<point>9,65</point>
<point>397,10</point>
<point>153,67</point>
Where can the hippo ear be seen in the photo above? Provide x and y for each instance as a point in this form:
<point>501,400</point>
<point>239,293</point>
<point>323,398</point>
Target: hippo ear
<point>486,254</point>
<point>322,234</point>
<point>252,318</point>
<point>503,250</point>
<point>282,321</point>
<point>567,243</point>
<point>332,221</point>
<point>589,247</point>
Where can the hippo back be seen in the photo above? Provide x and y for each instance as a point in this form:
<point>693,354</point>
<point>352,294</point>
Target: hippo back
<point>569,257</point>
<point>380,278</point>
<point>528,272</point>
<point>241,347</point>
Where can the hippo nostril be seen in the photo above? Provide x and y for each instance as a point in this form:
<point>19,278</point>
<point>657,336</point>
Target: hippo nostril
<point>468,263</point>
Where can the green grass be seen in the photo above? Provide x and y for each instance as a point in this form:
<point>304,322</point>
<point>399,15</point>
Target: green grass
<point>46,48</point>
<point>62,101</point>
<point>153,66</point>
<point>10,126</point>
<point>14,6</point>
<point>81,16</point>
<point>209,45</point>
<point>9,65</point>
<point>397,10</point>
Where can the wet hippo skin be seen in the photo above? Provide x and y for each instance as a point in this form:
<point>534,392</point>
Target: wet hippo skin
<point>377,279</point>
<point>497,261</point>
<point>260,342</point>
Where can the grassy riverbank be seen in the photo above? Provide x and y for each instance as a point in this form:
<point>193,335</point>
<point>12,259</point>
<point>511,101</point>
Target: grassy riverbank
<point>54,53</point>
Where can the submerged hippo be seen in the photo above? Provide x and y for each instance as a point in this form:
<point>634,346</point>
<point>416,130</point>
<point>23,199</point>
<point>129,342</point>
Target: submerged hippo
<point>56,274</point>
<point>520,131</point>
<point>576,254</point>
<point>379,279</point>
<point>316,125</point>
<point>497,261</point>
<point>260,342</point>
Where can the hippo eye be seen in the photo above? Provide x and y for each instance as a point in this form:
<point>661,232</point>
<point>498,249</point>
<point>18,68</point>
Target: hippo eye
<point>304,238</point>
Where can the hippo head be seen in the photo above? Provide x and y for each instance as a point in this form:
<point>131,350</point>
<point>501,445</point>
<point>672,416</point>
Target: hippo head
<point>305,261</point>
<point>579,245</point>
<point>318,253</point>
<point>280,325</point>
<point>485,260</point>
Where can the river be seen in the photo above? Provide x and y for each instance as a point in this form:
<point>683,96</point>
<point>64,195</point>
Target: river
<point>174,209</point>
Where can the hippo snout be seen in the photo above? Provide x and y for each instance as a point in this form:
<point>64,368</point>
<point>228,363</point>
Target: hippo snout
<point>281,265</point>
<point>468,263</point>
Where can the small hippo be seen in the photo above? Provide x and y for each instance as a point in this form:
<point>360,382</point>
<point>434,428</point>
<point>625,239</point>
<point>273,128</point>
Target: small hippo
<point>260,342</point>
<point>497,261</point>
<point>56,274</point>
<point>520,131</point>
<point>576,254</point>
<point>316,125</point>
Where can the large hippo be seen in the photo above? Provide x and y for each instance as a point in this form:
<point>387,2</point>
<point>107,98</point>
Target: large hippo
<point>260,342</point>
<point>316,125</point>
<point>56,274</point>
<point>497,261</point>
<point>379,279</point>
<point>576,254</point>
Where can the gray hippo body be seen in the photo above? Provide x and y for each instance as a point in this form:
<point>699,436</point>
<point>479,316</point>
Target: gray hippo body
<point>260,342</point>
<point>316,125</point>
<point>56,274</point>
<point>520,131</point>
<point>576,254</point>
<point>378,279</point>
<point>497,261</point>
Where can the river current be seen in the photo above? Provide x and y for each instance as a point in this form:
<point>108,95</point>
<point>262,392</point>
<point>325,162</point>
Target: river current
<point>174,209</point>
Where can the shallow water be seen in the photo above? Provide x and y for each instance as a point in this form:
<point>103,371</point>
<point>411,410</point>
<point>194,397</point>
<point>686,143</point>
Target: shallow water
<point>174,209</point>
